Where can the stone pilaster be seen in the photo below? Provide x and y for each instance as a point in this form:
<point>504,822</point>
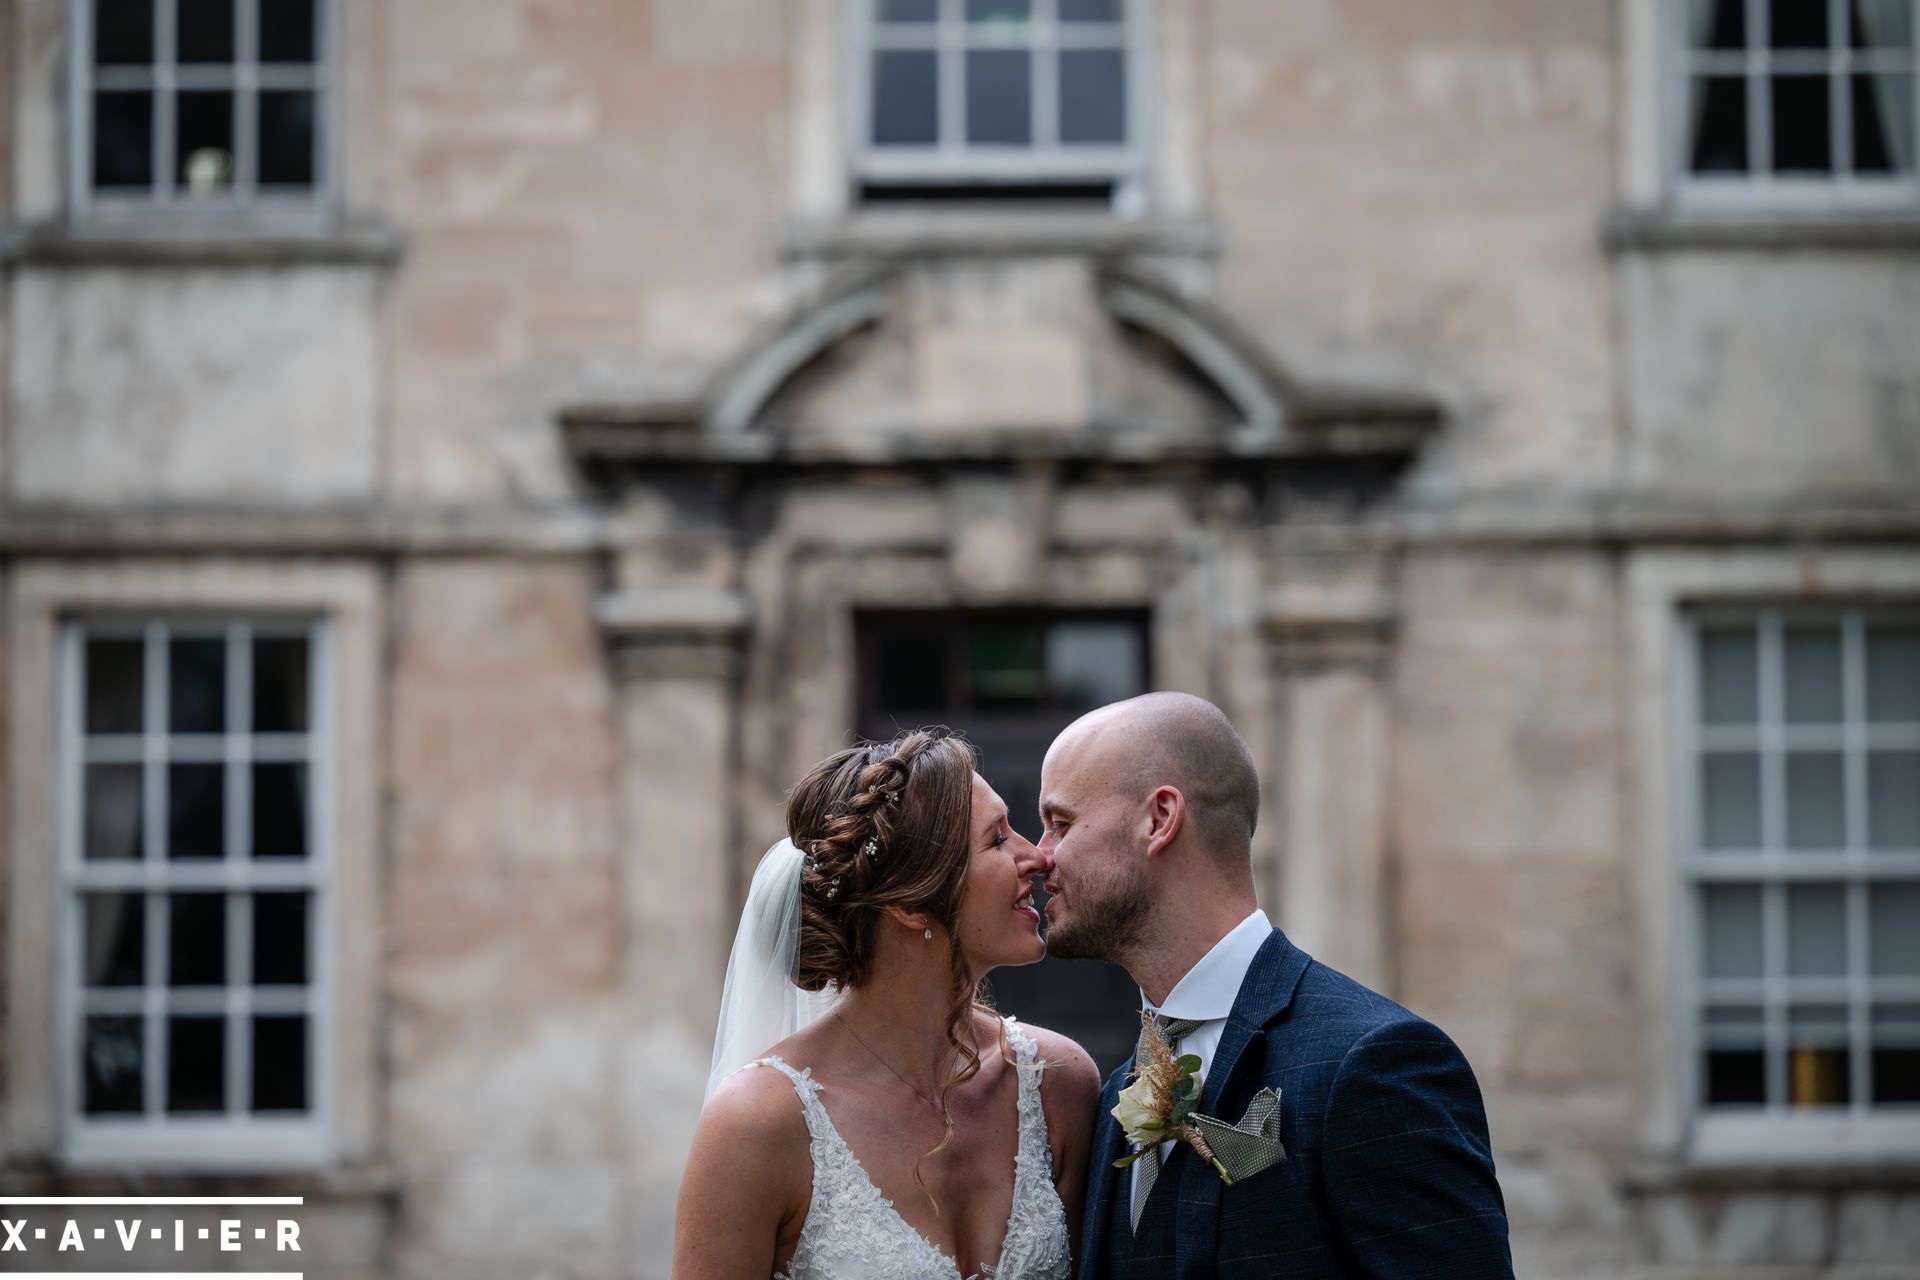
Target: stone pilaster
<point>675,656</point>
<point>1328,651</point>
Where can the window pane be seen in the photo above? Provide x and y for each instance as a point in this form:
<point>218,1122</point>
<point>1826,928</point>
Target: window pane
<point>1883,124</point>
<point>1732,931</point>
<point>1812,659</point>
<point>1893,674</point>
<point>999,10</point>
<point>1880,24</point>
<point>122,32</point>
<point>909,10</point>
<point>280,685</point>
<point>1894,926</point>
<point>279,939</point>
<point>196,940</point>
<point>280,810</point>
<point>115,685</point>
<point>1896,1053</point>
<point>115,939</point>
<point>1719,125</point>
<point>123,139</point>
<point>111,1074</point>
<point>1817,1055</point>
<point>1735,1061</point>
<point>1816,931</point>
<point>286,139</point>
<point>1006,668</point>
<point>196,1063</point>
<point>206,30</point>
<point>114,809</point>
<point>203,148</point>
<point>197,685</point>
<point>196,811</point>
<point>287,31</point>
<point>906,110</point>
<point>1089,10</point>
<point>1729,676</point>
<point>1893,800</point>
<point>1730,800</point>
<point>1802,125</point>
<point>1000,97</point>
<point>1797,24</point>
<point>1093,96</point>
<point>1093,663</point>
<point>1816,800</point>
<point>1718,24</point>
<point>279,1063</point>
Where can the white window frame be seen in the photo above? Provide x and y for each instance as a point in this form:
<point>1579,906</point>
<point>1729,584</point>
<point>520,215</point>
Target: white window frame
<point>1764,189</point>
<point>246,77</point>
<point>236,1138</point>
<point>1046,161</point>
<point>1813,1135</point>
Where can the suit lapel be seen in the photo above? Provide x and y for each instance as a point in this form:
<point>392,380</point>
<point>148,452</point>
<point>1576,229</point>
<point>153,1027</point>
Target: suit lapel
<point>1264,995</point>
<point>1102,1178</point>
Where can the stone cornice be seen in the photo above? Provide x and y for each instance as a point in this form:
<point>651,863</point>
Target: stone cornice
<point>571,528</point>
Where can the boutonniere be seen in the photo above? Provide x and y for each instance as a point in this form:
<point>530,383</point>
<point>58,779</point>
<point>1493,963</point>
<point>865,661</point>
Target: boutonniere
<point>1159,1102</point>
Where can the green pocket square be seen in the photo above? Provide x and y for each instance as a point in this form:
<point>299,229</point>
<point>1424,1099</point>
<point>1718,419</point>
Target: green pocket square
<point>1251,1145</point>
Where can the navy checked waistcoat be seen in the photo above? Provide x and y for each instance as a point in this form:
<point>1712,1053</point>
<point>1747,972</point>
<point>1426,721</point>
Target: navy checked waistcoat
<point>1389,1170</point>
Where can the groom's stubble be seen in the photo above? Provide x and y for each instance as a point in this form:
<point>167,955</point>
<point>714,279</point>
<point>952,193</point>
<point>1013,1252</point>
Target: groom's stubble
<point>1106,921</point>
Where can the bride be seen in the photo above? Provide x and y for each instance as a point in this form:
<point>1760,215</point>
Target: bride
<point>898,1127</point>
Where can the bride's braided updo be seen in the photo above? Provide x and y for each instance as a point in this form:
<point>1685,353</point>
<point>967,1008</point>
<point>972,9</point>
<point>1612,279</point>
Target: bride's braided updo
<point>882,824</point>
<point>887,824</point>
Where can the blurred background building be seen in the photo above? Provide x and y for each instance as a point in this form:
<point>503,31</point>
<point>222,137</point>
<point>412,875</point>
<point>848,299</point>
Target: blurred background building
<point>463,459</point>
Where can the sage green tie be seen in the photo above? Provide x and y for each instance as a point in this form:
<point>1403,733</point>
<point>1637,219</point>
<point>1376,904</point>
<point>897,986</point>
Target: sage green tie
<point>1147,1167</point>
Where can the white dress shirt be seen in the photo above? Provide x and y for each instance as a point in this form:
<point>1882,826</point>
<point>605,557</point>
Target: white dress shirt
<point>1206,995</point>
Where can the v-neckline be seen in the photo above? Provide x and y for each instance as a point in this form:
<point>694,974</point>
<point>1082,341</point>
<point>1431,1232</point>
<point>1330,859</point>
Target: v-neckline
<point>1013,1207</point>
<point>952,1263</point>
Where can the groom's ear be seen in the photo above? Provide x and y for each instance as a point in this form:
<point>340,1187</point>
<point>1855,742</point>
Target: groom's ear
<point>1166,815</point>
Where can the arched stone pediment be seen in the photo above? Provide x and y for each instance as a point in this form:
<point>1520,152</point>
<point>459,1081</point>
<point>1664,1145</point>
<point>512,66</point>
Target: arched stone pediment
<point>1064,355</point>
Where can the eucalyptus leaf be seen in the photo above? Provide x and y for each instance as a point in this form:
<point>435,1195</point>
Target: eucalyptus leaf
<point>1187,1063</point>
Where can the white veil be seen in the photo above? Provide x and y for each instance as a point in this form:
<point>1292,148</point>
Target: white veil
<point>760,1006</point>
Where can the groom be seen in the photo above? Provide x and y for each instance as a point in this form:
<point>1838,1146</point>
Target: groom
<point>1149,808</point>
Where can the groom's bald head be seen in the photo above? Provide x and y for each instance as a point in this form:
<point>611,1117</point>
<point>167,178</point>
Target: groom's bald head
<point>1175,740</point>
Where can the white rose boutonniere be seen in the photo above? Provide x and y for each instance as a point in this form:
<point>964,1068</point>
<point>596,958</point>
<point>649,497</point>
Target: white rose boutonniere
<point>1164,1092</point>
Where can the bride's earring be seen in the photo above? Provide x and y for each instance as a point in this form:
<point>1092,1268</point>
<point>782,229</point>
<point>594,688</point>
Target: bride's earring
<point>928,935</point>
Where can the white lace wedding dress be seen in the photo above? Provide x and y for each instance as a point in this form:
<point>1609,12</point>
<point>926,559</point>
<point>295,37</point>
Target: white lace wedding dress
<point>852,1232</point>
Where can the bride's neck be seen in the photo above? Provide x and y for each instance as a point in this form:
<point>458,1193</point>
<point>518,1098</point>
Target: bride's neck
<point>900,1013</point>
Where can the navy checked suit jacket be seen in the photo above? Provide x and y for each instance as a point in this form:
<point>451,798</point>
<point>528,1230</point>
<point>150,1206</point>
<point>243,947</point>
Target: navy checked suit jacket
<point>1388,1172</point>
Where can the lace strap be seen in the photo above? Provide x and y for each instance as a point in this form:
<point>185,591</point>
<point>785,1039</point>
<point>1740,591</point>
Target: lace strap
<point>1032,1072</point>
<point>818,1125</point>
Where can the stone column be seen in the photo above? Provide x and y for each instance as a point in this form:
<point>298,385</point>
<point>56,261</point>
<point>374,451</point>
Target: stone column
<point>676,661</point>
<point>1328,655</point>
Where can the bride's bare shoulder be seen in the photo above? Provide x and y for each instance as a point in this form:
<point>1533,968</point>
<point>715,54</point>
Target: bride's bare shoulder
<point>1069,1067</point>
<point>756,1105</point>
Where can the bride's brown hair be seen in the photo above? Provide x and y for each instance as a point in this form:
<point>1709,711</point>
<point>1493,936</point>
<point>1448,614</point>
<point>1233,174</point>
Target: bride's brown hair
<point>887,824</point>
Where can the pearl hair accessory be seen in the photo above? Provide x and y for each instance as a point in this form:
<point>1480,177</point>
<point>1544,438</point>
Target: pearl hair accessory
<point>872,849</point>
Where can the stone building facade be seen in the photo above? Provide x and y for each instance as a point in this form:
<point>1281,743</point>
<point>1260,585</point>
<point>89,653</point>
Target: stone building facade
<point>462,459</point>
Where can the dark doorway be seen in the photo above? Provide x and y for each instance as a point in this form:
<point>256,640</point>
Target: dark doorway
<point>1010,681</point>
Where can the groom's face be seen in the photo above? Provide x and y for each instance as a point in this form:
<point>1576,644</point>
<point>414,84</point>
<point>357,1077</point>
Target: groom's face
<point>1094,843</point>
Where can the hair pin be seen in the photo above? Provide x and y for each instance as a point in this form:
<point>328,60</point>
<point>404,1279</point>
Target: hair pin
<point>872,848</point>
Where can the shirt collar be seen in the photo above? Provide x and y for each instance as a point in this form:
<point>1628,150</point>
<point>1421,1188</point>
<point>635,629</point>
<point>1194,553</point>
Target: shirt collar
<point>1209,988</point>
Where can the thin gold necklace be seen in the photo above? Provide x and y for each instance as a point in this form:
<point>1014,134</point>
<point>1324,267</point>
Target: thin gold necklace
<point>889,1066</point>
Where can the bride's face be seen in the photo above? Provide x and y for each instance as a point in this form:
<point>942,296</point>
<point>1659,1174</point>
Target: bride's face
<point>998,924</point>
